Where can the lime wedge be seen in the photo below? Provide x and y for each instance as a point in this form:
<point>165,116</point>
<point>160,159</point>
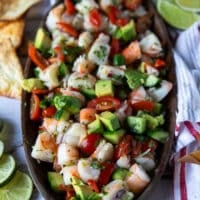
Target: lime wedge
<point>7,167</point>
<point>1,148</point>
<point>20,187</point>
<point>189,5</point>
<point>175,16</point>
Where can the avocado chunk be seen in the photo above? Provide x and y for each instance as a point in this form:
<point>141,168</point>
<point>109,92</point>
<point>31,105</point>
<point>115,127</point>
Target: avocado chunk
<point>136,124</point>
<point>120,174</point>
<point>104,88</point>
<point>127,32</point>
<point>55,180</point>
<point>113,136</point>
<point>135,78</point>
<point>110,121</point>
<point>152,122</point>
<point>71,104</point>
<point>151,81</point>
<point>159,135</point>
<point>31,84</point>
<point>95,127</point>
<point>83,192</point>
<point>42,40</point>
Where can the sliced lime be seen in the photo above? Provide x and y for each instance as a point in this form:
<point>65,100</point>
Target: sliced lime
<point>175,16</point>
<point>20,187</point>
<point>189,5</point>
<point>1,148</point>
<point>7,167</point>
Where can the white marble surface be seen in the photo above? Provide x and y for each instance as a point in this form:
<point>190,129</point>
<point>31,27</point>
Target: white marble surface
<point>10,114</point>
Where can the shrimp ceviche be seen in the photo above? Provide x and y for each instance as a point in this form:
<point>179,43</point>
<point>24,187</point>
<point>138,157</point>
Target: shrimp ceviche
<point>97,94</point>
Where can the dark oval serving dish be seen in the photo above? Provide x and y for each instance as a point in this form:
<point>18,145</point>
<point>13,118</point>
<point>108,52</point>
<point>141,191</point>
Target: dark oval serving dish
<point>38,171</point>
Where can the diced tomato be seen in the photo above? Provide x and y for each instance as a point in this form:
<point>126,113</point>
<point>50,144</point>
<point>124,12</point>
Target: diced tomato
<point>70,8</point>
<point>67,28</point>
<point>49,111</point>
<point>142,146</point>
<point>59,53</point>
<point>124,147</point>
<point>121,22</point>
<point>35,107</point>
<point>113,13</point>
<point>132,4</point>
<point>106,172</point>
<point>159,63</point>
<point>143,105</point>
<point>115,46</point>
<point>40,91</point>
<point>95,17</point>
<point>93,185</point>
<point>36,57</point>
<point>89,143</point>
<point>104,103</point>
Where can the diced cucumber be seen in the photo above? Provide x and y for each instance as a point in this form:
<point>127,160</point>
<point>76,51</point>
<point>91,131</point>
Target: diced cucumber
<point>157,108</point>
<point>159,135</point>
<point>95,127</point>
<point>120,174</point>
<point>89,93</point>
<point>151,80</point>
<point>136,124</point>
<point>62,115</point>
<point>113,136</point>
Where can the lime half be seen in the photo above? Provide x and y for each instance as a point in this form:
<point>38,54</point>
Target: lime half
<point>1,148</point>
<point>7,167</point>
<point>189,5</point>
<point>20,187</point>
<point>175,16</point>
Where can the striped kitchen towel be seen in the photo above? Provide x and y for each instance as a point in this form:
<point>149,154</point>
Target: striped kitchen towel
<point>187,134</point>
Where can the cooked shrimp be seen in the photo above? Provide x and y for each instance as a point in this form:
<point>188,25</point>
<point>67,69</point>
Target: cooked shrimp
<point>67,154</point>
<point>44,148</point>
<point>138,180</point>
<point>85,39</point>
<point>83,65</point>
<point>103,152</point>
<point>86,171</point>
<point>85,6</point>
<point>69,172</point>
<point>124,161</point>
<point>137,95</point>
<point>87,115</point>
<point>75,134</point>
<point>54,16</point>
<point>132,52</point>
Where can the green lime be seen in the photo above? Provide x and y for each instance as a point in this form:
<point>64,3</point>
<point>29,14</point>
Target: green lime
<point>7,167</point>
<point>1,148</point>
<point>175,16</point>
<point>20,187</point>
<point>189,5</point>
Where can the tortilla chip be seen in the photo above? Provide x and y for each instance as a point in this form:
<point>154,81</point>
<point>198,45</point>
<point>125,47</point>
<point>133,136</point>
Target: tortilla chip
<point>13,9</point>
<point>11,74</point>
<point>12,30</point>
<point>193,157</point>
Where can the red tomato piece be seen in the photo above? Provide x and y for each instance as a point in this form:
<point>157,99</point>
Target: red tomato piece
<point>143,105</point>
<point>122,22</point>
<point>159,63</point>
<point>59,53</point>
<point>40,91</point>
<point>35,113</point>
<point>70,8</point>
<point>113,13</point>
<point>132,4</point>
<point>106,172</point>
<point>95,17</point>
<point>36,57</point>
<point>115,46</point>
<point>104,103</point>
<point>93,185</point>
<point>67,28</point>
<point>124,147</point>
<point>89,143</point>
<point>49,111</point>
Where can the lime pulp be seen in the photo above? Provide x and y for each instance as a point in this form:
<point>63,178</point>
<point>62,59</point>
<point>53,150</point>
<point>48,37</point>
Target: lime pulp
<point>189,5</point>
<point>1,148</point>
<point>7,167</point>
<point>18,188</point>
<point>175,16</point>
